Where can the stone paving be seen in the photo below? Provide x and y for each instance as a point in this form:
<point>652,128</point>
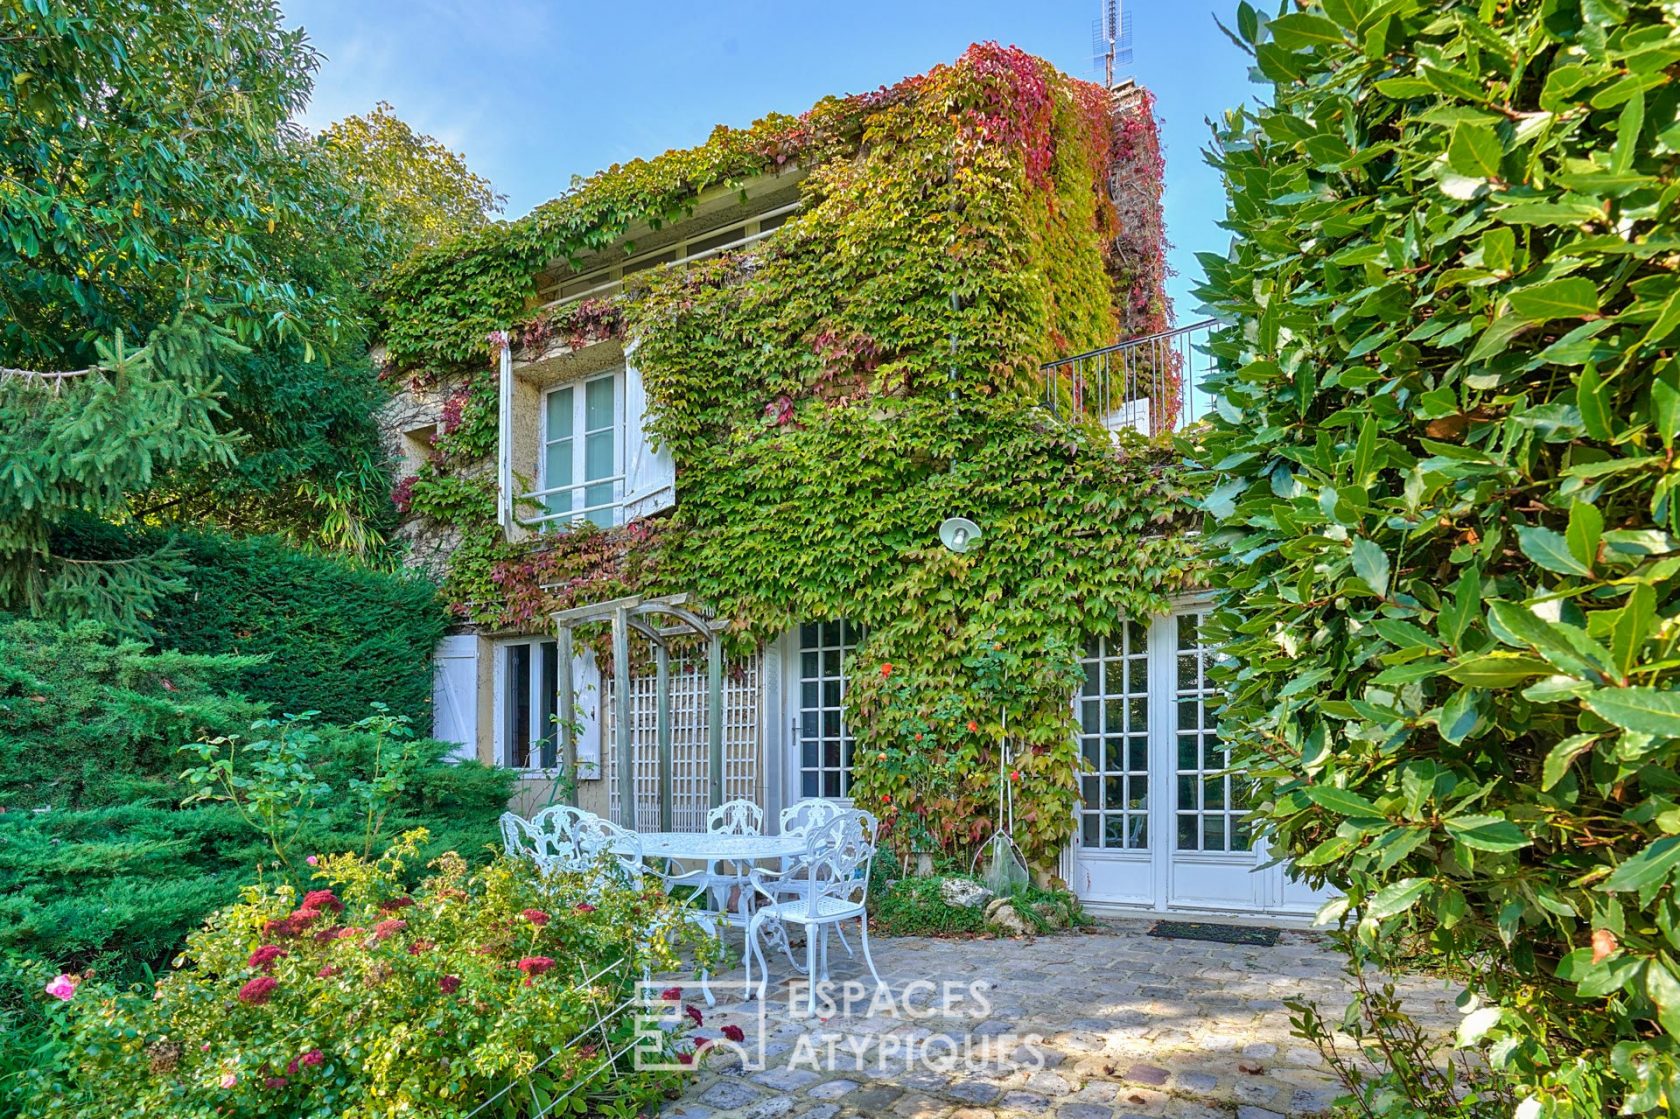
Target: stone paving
<point>1108,1024</point>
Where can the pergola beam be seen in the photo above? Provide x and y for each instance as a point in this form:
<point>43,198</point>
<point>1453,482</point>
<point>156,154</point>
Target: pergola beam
<point>635,614</point>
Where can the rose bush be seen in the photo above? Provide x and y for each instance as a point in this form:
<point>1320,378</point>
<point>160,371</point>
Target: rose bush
<point>364,999</point>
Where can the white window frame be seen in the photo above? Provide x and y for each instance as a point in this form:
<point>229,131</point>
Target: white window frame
<point>850,637</point>
<point>616,480</point>
<point>504,709</point>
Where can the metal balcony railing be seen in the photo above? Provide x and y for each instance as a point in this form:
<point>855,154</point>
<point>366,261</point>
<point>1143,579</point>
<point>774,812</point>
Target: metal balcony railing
<point>1147,384</point>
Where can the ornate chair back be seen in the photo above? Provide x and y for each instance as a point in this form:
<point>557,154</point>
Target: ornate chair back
<point>837,858</point>
<point>736,817</point>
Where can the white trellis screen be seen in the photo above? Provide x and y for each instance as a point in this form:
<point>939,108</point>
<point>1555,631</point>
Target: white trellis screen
<point>690,798</point>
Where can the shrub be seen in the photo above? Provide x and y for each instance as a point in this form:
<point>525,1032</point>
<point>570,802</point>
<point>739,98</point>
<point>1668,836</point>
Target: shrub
<point>1446,515</point>
<point>82,717</point>
<point>914,906</point>
<point>330,634</point>
<point>366,998</point>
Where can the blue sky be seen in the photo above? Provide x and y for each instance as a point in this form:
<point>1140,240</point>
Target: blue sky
<point>536,91</point>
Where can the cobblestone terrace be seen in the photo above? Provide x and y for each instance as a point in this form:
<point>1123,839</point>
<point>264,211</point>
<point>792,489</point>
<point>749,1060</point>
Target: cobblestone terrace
<point>1104,1025</point>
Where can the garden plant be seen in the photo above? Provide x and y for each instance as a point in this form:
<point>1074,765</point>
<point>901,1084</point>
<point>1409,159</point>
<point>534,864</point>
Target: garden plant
<point>1443,505</point>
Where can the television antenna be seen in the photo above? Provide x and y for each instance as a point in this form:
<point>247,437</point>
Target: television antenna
<point>1111,39</point>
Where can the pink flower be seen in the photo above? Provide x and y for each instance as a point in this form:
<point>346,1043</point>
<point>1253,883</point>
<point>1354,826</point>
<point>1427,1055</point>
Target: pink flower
<point>536,916</point>
<point>583,907</point>
<point>265,956</point>
<point>313,860</point>
<point>694,1012</point>
<point>388,928</point>
<point>292,1066</point>
<point>229,1080</point>
<point>274,1083</point>
<point>328,971</point>
<point>258,990</point>
<point>312,1058</point>
<point>322,899</point>
<point>302,917</point>
<point>449,984</point>
<point>63,987</point>
<point>734,1033</point>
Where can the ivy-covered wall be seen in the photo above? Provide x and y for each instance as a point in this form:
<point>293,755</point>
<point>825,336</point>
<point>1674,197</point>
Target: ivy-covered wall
<point>834,393</point>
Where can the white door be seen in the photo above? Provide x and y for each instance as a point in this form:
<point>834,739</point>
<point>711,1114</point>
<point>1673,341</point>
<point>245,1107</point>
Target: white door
<point>1161,823</point>
<point>819,760</point>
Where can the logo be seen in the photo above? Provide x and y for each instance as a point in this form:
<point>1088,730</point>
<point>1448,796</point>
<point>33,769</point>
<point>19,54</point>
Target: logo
<point>730,1029</point>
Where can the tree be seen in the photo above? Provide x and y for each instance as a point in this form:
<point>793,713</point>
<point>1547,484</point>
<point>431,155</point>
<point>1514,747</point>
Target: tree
<point>184,277</point>
<point>419,192</point>
<point>1446,522</point>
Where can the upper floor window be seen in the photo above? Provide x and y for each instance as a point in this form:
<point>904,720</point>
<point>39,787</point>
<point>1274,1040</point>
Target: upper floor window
<point>581,467</point>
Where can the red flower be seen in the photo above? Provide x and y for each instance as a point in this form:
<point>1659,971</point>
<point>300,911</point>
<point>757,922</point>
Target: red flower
<point>694,1012</point>
<point>292,1066</point>
<point>449,984</point>
<point>388,928</point>
<point>536,916</point>
<point>265,956</point>
<point>301,918</point>
<point>258,990</point>
<point>583,907</point>
<point>324,935</point>
<point>280,927</point>
<point>671,994</point>
<point>328,971</point>
<point>534,966</point>
<point>973,726</point>
<point>348,931</point>
<point>420,946</point>
<point>734,1033</point>
<point>322,899</point>
<point>391,905</point>
<point>313,1057</point>
<point>1014,775</point>
<point>275,1083</point>
<point>886,670</point>
<point>686,1057</point>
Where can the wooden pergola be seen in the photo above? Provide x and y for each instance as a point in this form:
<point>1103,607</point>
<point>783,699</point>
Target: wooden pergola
<point>657,618</point>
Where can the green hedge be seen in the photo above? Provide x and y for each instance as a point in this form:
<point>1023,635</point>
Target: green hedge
<point>1447,510</point>
<point>335,634</point>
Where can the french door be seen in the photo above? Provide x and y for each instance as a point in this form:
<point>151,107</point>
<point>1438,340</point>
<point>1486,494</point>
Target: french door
<point>1161,816</point>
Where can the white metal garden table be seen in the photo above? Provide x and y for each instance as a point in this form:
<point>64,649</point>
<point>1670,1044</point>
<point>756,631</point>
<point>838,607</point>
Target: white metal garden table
<point>709,847</point>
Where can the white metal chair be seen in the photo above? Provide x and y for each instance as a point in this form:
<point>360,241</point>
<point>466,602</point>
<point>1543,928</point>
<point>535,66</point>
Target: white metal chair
<point>799,818</point>
<point>562,839</point>
<point>734,817</point>
<point>835,867</point>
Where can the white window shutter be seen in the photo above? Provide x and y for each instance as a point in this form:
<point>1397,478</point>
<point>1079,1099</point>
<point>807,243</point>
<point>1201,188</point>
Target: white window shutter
<point>586,694</point>
<point>650,473</point>
<point>455,694</point>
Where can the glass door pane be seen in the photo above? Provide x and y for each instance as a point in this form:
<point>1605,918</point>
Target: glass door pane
<point>598,456</point>
<point>558,451</point>
<point>1114,741</point>
<point>825,742</point>
<point>1212,803</point>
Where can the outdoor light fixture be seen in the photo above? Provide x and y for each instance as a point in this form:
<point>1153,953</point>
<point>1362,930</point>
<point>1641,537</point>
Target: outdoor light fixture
<point>959,533</point>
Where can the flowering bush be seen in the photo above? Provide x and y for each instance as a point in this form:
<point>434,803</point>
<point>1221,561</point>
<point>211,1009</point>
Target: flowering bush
<point>363,999</point>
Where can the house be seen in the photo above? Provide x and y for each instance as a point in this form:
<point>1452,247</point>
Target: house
<point>724,399</point>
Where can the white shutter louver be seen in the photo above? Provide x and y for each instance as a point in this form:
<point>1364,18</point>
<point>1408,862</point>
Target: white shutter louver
<point>650,473</point>
<point>455,694</point>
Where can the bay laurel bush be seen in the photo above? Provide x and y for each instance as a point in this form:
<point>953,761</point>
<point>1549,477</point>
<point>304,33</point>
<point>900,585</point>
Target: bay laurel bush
<point>1444,509</point>
<point>363,998</point>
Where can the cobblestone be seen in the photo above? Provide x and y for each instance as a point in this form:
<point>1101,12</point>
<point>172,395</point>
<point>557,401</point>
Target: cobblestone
<point>1104,1025</point>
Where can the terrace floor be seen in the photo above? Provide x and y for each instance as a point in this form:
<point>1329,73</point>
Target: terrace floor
<point>1101,1025</point>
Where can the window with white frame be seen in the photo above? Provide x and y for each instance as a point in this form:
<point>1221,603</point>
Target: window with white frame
<point>581,464</point>
<point>528,681</point>
<point>825,742</point>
